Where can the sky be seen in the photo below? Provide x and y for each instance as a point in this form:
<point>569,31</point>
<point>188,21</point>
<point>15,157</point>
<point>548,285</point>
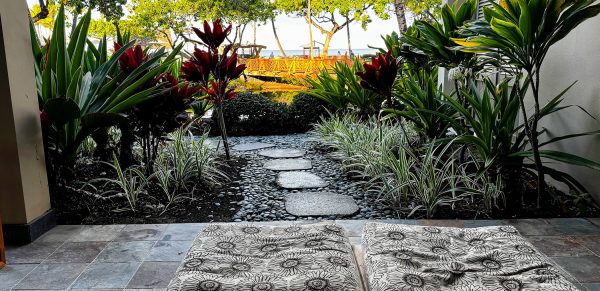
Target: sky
<point>293,33</point>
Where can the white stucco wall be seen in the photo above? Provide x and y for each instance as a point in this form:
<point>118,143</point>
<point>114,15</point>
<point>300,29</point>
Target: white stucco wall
<point>576,58</point>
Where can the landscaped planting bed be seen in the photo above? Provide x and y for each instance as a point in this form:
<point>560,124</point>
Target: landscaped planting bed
<point>126,142</point>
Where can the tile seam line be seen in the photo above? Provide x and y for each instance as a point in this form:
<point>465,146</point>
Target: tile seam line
<point>37,265</point>
<point>88,265</point>
<point>140,265</point>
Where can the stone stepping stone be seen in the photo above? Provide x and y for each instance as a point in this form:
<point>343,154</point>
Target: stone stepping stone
<point>212,144</point>
<point>300,180</point>
<point>320,204</point>
<point>288,164</point>
<point>244,147</point>
<point>282,153</point>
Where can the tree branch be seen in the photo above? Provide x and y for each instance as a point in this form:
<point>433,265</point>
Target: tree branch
<point>43,12</point>
<point>187,39</point>
<point>315,24</point>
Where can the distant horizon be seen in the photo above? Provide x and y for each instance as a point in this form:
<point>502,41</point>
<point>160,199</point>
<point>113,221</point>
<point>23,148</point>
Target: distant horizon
<point>332,52</point>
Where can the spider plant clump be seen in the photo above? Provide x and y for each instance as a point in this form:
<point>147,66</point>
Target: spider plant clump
<point>185,163</point>
<point>129,183</point>
<point>413,181</point>
<point>350,136</point>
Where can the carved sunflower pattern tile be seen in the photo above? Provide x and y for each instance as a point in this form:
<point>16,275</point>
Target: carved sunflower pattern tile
<point>427,258</point>
<point>228,257</point>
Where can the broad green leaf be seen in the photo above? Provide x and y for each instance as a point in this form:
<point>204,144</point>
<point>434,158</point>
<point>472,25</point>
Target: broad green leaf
<point>61,110</point>
<point>508,30</point>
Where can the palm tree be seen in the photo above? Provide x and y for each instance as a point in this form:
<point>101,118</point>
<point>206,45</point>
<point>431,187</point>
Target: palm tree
<point>277,37</point>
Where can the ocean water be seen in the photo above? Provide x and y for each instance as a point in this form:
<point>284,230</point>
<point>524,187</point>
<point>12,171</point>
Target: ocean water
<point>332,52</point>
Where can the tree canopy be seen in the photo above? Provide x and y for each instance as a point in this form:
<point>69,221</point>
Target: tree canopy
<point>110,9</point>
<point>163,20</point>
<point>167,21</point>
<point>324,15</point>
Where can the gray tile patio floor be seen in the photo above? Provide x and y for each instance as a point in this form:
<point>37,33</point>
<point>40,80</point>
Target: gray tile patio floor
<point>145,257</point>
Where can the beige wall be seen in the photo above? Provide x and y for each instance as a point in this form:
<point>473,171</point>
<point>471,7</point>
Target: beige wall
<point>576,58</point>
<point>23,183</point>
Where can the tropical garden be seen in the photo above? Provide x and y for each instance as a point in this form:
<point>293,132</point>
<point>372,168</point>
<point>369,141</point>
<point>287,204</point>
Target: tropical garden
<point>128,121</point>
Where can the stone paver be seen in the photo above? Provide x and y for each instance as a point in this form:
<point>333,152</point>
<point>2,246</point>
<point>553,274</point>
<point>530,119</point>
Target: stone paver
<point>288,164</point>
<point>481,223</point>
<point>77,252</point>
<point>584,269</point>
<point>300,180</point>
<point>33,253</point>
<point>11,274</point>
<point>150,263</point>
<point>52,276</point>
<point>590,242</point>
<point>61,233</point>
<point>152,275</point>
<point>320,203</point>
<point>212,143</point>
<point>169,251</point>
<point>534,227</point>
<point>282,153</point>
<point>575,226</point>
<point>142,232</point>
<point>592,286</point>
<point>106,275</point>
<point>244,147</point>
<point>125,251</point>
<point>98,233</point>
<point>559,246</point>
<point>183,231</point>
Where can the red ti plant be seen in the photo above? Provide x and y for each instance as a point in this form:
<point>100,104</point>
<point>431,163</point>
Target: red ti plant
<point>213,70</point>
<point>380,75</point>
<point>132,58</point>
<point>214,37</point>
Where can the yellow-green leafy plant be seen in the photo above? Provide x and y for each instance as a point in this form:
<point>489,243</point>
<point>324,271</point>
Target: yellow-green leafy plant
<point>522,32</point>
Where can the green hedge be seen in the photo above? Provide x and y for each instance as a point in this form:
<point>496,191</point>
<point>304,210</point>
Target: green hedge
<point>305,111</point>
<point>254,114</point>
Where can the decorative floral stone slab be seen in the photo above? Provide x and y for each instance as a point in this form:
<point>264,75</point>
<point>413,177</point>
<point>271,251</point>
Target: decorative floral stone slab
<point>405,257</point>
<point>231,257</point>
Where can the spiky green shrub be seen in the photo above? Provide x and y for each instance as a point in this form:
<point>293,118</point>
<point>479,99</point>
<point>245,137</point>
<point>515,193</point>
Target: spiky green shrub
<point>344,90</point>
<point>81,90</point>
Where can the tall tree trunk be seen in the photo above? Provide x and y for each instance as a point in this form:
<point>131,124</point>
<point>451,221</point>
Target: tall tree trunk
<point>400,15</point>
<point>277,38</point>
<point>254,36</point>
<point>236,33</point>
<point>242,32</point>
<point>348,32</point>
<point>223,130</point>
<point>541,182</point>
<point>328,37</point>
<point>310,33</point>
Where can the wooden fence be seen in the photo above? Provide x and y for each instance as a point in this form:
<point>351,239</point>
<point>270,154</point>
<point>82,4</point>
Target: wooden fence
<point>289,67</point>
